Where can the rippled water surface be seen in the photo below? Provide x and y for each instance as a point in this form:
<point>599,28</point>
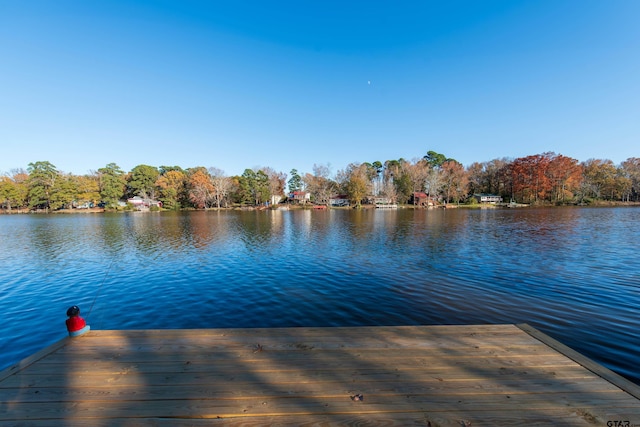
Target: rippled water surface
<point>570,272</point>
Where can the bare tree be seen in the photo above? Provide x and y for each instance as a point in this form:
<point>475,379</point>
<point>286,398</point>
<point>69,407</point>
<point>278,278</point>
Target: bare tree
<point>455,180</point>
<point>222,186</point>
<point>631,169</point>
<point>433,182</point>
<point>417,172</point>
<point>320,185</point>
<point>389,191</point>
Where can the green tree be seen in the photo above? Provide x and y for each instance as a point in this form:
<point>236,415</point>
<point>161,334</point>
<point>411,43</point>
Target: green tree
<point>376,170</point>
<point>295,182</point>
<point>396,181</point>
<point>171,185</point>
<point>164,169</point>
<point>254,187</point>
<point>435,160</point>
<point>7,192</point>
<point>111,184</point>
<point>142,181</point>
<point>42,179</point>
<point>13,190</point>
<point>261,191</point>
<point>64,192</point>
<point>88,187</point>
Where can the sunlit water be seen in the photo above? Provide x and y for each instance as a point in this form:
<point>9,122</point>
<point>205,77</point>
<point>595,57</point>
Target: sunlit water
<point>570,272</point>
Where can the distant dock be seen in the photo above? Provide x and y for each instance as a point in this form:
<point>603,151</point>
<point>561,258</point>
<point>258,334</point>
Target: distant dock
<point>483,375</point>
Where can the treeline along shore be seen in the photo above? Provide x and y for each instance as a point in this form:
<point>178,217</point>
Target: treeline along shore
<point>432,180</point>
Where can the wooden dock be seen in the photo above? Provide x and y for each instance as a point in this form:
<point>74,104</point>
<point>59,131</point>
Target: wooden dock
<point>488,375</point>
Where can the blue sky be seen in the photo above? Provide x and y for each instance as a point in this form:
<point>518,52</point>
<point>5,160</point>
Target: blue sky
<point>286,84</point>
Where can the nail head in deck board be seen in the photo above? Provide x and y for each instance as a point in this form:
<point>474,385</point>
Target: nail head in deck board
<point>485,374</point>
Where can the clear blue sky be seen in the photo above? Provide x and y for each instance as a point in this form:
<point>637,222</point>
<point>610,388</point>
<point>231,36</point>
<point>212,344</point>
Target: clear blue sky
<point>286,84</point>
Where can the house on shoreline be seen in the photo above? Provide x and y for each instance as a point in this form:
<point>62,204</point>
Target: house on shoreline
<point>487,198</point>
<point>341,200</point>
<point>143,204</point>
<point>301,197</point>
<point>420,199</point>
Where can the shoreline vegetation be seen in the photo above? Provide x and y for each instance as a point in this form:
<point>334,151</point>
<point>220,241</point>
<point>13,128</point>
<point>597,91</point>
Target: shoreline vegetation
<point>285,206</point>
<point>432,181</point>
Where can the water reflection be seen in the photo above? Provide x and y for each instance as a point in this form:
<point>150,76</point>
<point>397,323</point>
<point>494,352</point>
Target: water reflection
<point>569,272</point>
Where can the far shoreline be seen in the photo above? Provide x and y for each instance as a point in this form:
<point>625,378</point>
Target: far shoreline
<point>597,204</point>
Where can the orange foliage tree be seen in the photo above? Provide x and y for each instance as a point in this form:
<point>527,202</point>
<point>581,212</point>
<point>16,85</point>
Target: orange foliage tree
<point>546,177</point>
<point>565,175</point>
<point>530,182</point>
<point>200,188</point>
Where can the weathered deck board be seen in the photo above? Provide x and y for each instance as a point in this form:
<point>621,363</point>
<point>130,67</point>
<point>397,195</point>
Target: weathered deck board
<point>410,375</point>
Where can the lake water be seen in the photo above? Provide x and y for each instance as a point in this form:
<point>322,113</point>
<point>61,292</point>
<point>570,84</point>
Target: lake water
<point>573,273</point>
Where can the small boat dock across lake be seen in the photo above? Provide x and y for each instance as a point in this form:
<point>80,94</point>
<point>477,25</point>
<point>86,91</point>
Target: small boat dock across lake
<point>482,375</point>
